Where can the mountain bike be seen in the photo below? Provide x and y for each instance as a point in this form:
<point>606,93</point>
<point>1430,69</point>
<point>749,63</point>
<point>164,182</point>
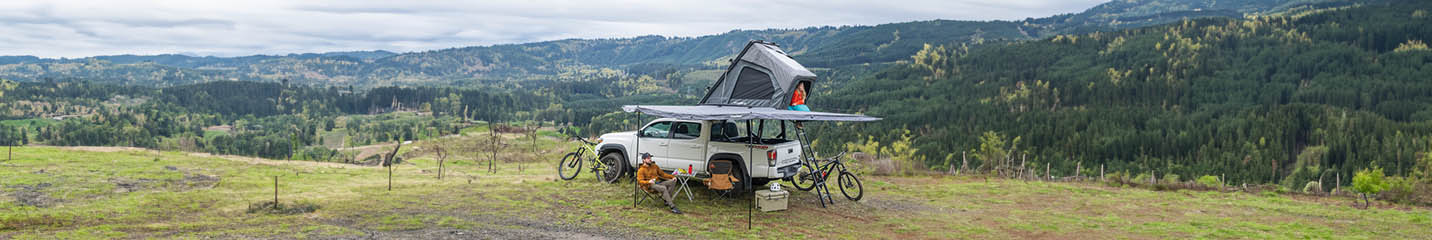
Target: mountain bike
<point>813,175</point>
<point>607,170</point>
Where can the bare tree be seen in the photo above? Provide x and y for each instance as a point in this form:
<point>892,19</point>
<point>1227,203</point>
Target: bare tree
<point>442,157</point>
<point>388,162</point>
<point>532,135</point>
<point>496,142</point>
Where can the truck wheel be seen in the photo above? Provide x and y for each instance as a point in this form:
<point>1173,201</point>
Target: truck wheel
<point>615,164</point>
<point>740,173</point>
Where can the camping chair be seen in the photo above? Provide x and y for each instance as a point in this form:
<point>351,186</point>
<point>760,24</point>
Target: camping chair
<point>721,181</point>
<point>653,196</point>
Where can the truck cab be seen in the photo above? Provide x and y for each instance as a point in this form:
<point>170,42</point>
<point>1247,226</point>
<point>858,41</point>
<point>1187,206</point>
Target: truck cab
<point>761,148</point>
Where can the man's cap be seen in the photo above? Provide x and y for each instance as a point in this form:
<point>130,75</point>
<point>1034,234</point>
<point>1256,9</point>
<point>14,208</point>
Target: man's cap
<point>645,155</point>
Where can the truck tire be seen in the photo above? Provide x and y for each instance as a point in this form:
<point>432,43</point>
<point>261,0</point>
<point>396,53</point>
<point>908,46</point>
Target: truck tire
<point>616,166</point>
<point>740,173</point>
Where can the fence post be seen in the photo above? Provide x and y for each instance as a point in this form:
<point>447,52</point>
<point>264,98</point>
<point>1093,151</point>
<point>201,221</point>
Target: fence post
<point>1078,169</point>
<point>1022,159</point>
<point>275,192</point>
<point>390,177</point>
<point>1101,172</point>
<point>1339,183</point>
<point>964,162</point>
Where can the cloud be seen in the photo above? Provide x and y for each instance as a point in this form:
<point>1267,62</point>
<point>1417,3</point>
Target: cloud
<point>71,28</point>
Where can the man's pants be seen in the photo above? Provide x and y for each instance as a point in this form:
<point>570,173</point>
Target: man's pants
<point>667,189</point>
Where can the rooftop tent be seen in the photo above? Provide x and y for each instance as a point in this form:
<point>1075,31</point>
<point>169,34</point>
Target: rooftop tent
<point>763,76</point>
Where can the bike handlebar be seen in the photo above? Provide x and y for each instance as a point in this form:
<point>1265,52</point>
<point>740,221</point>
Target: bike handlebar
<point>584,140</point>
<point>837,157</point>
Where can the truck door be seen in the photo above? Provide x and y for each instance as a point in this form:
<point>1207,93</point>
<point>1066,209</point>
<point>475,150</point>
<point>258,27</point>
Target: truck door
<point>687,146</point>
<point>654,140</point>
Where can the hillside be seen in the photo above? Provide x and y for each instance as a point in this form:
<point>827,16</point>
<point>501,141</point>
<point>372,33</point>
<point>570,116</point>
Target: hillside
<point>1276,99</point>
<point>582,59</point>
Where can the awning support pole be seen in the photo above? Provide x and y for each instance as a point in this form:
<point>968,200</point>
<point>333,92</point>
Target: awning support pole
<point>634,187</point>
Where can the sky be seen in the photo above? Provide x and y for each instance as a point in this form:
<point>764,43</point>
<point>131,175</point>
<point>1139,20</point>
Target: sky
<point>64,28</point>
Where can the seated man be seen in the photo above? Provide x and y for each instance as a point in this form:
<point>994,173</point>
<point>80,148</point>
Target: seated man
<point>653,180</point>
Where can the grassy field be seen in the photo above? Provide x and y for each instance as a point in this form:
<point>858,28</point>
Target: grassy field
<point>101,192</point>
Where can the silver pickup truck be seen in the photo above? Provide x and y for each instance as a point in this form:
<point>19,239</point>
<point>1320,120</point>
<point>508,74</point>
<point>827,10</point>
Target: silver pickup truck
<point>694,144</point>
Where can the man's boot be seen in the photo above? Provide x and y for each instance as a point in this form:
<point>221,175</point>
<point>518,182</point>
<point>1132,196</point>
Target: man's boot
<point>673,208</point>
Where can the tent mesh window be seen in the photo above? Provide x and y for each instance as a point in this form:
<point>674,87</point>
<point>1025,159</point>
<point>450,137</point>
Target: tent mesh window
<point>753,84</point>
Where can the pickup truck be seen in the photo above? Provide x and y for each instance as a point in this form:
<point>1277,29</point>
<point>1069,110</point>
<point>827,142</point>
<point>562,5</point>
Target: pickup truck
<point>694,144</point>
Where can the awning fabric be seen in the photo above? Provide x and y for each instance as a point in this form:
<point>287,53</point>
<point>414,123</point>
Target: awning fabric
<point>716,112</point>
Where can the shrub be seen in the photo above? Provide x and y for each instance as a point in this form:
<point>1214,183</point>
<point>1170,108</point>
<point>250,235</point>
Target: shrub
<point>1399,190</point>
<point>1368,181</point>
<point>279,208</point>
<point>1210,181</point>
<point>1170,178</point>
<point>1282,190</point>
<point>1142,178</point>
<point>1313,187</point>
<point>1306,167</point>
<point>1115,179</point>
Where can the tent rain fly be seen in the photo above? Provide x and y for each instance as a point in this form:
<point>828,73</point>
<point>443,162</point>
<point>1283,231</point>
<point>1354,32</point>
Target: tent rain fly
<point>757,85</point>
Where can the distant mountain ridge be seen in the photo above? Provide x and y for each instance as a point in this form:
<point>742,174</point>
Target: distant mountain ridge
<point>577,59</point>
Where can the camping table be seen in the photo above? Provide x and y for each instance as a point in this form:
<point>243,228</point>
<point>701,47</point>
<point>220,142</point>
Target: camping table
<point>681,179</point>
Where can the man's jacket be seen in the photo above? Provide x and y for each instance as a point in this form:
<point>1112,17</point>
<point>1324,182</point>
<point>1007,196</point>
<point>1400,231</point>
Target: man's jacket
<point>646,172</point>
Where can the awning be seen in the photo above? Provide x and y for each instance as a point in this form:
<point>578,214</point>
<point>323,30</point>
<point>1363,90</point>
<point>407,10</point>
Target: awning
<point>716,112</point>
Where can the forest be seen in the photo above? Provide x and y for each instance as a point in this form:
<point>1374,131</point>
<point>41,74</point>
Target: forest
<point>1273,99</point>
<point>1303,91</point>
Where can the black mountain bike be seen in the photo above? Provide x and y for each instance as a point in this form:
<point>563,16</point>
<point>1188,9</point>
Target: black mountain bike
<point>813,175</point>
<point>607,170</point>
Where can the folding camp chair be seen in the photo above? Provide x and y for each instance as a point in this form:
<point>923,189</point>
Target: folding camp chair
<point>721,181</point>
<point>654,197</point>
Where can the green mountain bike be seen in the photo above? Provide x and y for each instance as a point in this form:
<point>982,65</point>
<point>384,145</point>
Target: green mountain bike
<point>607,170</point>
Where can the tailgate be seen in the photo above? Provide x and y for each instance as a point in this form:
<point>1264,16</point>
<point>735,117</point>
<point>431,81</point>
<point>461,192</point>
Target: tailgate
<point>787,153</point>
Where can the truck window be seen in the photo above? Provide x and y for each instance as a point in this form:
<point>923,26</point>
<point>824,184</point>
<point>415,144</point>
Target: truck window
<point>686,130</point>
<point>770,131</point>
<point>726,131</point>
<point>657,130</point>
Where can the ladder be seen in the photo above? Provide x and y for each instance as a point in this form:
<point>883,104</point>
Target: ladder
<point>809,159</point>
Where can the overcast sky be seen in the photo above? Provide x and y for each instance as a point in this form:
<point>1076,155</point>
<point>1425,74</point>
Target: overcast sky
<point>63,28</point>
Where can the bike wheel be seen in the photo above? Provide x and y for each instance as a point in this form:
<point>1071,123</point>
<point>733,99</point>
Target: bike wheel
<point>570,166</point>
<point>850,186</point>
<point>804,179</point>
<point>610,168</point>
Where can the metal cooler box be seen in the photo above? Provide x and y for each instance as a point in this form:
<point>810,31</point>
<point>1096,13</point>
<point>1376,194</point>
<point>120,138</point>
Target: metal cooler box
<point>768,200</point>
